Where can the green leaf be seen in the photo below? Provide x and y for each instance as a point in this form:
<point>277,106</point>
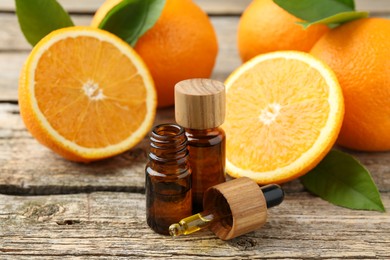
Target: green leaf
<point>350,3</point>
<point>130,19</point>
<point>330,12</point>
<point>40,17</point>
<point>343,181</point>
<point>337,19</point>
<point>313,10</point>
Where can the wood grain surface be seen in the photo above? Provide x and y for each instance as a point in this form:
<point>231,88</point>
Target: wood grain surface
<point>30,168</point>
<point>112,225</point>
<point>214,7</point>
<point>200,103</point>
<point>51,208</point>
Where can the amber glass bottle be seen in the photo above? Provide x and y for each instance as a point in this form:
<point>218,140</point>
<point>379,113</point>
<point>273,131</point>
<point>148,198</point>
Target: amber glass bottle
<point>168,178</point>
<point>200,109</point>
<point>207,160</point>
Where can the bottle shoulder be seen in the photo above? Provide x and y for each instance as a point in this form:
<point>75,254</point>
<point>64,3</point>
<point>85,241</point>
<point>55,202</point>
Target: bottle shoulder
<point>164,171</point>
<point>211,137</point>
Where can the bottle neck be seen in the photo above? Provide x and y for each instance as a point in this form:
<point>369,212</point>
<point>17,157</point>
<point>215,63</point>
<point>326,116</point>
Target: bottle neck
<point>168,144</point>
<point>205,132</point>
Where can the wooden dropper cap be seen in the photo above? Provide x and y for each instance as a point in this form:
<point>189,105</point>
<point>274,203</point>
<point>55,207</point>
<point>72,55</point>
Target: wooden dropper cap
<point>248,207</point>
<point>199,103</point>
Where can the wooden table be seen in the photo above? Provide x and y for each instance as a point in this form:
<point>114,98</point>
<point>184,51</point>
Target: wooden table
<point>51,208</point>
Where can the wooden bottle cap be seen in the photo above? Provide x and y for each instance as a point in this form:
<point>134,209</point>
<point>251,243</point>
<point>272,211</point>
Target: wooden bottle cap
<point>199,103</point>
<point>247,205</point>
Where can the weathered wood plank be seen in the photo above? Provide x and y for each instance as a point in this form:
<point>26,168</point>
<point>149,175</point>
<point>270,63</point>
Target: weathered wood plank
<point>211,7</point>
<point>10,66</point>
<point>14,50</point>
<point>12,38</point>
<point>11,62</point>
<point>90,6</point>
<point>29,168</point>
<point>112,225</point>
<point>72,6</point>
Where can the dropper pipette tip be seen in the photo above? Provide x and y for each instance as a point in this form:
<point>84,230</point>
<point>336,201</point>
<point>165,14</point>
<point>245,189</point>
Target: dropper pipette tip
<point>175,230</point>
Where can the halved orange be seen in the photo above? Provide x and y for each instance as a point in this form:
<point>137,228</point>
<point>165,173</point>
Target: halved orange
<point>284,112</point>
<point>86,94</point>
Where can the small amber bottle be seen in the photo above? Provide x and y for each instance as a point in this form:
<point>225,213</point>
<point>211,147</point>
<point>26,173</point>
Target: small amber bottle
<point>168,178</point>
<point>200,109</point>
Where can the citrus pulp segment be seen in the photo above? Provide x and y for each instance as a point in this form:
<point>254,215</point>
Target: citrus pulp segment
<point>284,112</point>
<point>86,94</point>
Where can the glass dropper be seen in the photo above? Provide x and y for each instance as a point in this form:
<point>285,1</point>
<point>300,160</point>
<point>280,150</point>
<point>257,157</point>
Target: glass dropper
<point>273,195</point>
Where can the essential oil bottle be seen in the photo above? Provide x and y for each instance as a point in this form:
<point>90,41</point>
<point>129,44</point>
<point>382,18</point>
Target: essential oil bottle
<point>168,178</point>
<point>200,109</point>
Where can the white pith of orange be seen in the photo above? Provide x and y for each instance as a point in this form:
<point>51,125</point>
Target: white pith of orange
<point>38,123</point>
<point>262,138</point>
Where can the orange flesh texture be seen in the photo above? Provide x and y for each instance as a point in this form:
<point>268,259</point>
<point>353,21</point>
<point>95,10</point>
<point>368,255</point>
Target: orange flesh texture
<point>91,88</point>
<point>301,105</point>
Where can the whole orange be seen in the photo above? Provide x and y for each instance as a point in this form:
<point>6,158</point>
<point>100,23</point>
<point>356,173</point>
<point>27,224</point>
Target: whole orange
<point>181,45</point>
<point>359,54</point>
<point>266,27</point>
